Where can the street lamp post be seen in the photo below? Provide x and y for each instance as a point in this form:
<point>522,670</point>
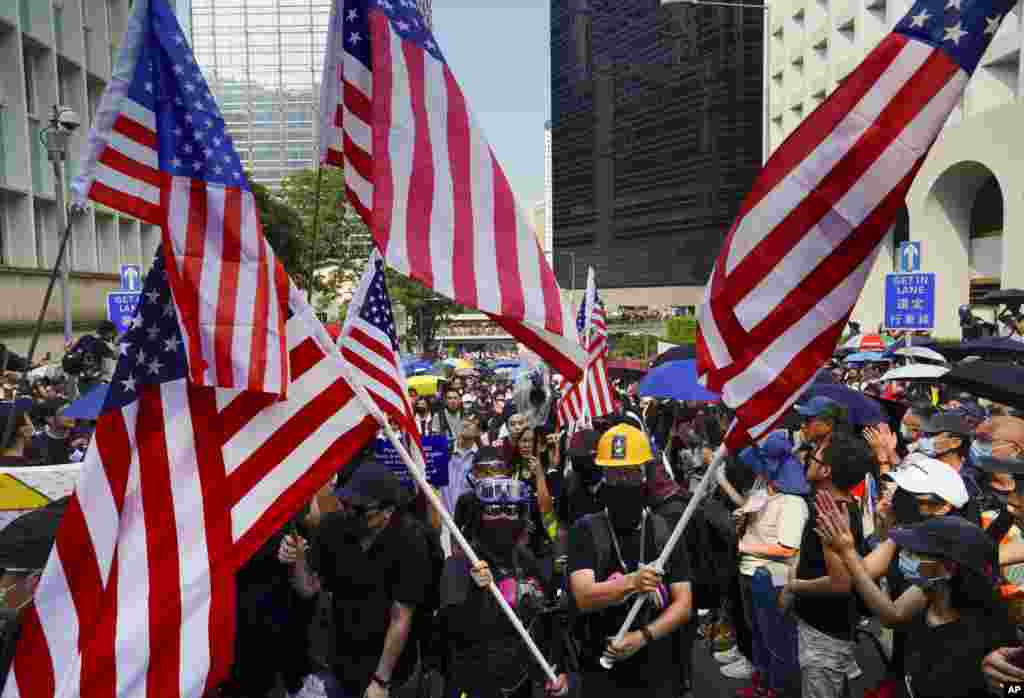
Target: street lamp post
<point>55,138</point>
<point>572,255</point>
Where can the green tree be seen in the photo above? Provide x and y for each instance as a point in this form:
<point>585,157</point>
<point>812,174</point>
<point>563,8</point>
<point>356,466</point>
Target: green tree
<point>426,310</point>
<point>681,330</point>
<point>633,346</point>
<point>343,240</point>
<point>282,228</point>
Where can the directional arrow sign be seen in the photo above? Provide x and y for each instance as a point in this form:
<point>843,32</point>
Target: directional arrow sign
<point>131,277</point>
<point>910,257</point>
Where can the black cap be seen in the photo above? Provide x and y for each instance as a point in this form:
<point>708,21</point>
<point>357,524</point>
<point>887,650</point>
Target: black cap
<point>950,538</point>
<point>583,444</point>
<point>372,484</point>
<point>946,422</point>
<point>50,408</point>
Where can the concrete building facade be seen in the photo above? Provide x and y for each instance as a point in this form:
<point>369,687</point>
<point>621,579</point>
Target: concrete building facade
<point>968,191</point>
<point>56,52</point>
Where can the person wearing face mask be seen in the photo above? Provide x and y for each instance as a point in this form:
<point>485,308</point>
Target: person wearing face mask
<point>1005,525</point>
<point>1000,438</point>
<point>378,566</point>
<point>421,414</point>
<point>910,425</point>
<point>952,616</point>
<point>487,658</point>
<point>610,556</point>
<point>583,482</point>
<point>448,419</point>
<point>946,437</point>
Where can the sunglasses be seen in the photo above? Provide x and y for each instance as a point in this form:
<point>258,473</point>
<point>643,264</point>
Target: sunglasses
<point>509,510</point>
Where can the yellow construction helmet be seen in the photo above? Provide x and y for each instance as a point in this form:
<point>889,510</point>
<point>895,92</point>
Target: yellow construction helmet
<point>623,446</point>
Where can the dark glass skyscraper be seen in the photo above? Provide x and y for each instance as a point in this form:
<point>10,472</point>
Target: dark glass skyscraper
<point>656,136</point>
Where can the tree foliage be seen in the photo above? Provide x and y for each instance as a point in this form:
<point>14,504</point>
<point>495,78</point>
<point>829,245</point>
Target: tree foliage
<point>282,228</point>
<point>681,330</point>
<point>426,310</point>
<point>633,346</point>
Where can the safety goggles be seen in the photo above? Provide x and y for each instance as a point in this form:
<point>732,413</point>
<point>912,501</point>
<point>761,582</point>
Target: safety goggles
<point>502,491</point>
<point>507,510</point>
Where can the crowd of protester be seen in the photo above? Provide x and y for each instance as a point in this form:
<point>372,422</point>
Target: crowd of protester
<point>907,529</point>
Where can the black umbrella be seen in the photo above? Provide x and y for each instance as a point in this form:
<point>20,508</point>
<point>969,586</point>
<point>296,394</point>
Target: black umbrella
<point>1009,296</point>
<point>861,409</point>
<point>1004,347</point>
<point>1003,383</point>
<point>680,353</point>
<point>25,543</point>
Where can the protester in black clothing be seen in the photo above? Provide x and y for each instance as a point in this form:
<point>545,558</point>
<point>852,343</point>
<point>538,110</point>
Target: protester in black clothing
<point>377,564</point>
<point>951,610</point>
<point>824,604</point>
<point>581,486</point>
<point>488,658</point>
<point>609,563</point>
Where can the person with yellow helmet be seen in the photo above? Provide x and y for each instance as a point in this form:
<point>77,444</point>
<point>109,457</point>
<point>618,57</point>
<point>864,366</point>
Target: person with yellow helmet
<point>610,561</point>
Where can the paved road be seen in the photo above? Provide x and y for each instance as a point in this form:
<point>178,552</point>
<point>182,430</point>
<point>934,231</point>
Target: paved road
<point>709,682</point>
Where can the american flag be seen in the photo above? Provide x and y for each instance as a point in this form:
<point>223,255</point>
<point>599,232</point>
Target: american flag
<point>421,174</point>
<point>579,405</point>
<point>370,345</point>
<point>803,245</point>
<point>183,481</point>
<point>159,151</point>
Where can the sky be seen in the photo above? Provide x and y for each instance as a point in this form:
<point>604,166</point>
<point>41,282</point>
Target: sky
<point>499,53</point>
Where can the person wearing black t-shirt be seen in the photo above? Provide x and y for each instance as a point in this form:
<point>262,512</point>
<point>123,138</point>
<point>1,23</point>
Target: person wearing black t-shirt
<point>609,564</point>
<point>377,565</point>
<point>819,587</point>
<point>951,611</point>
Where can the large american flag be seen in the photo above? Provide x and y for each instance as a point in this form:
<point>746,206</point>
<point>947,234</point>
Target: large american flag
<point>801,249</point>
<point>592,397</point>
<point>423,177</point>
<point>369,344</point>
<point>183,481</point>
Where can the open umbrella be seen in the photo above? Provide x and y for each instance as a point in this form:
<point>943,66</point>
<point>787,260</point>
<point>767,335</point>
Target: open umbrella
<point>861,409</point>
<point>919,353</point>
<point>1003,383</point>
<point>865,342</point>
<point>458,363</point>
<point>89,405</point>
<point>676,380</point>
<point>1009,296</point>
<point>680,353</point>
<point>415,366</point>
<point>916,372</point>
<point>1004,347</point>
<point>865,357</point>
<point>424,385</point>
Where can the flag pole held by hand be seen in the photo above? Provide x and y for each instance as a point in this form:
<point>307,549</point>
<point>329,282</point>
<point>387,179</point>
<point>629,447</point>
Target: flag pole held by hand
<point>419,474</point>
<point>706,483</point>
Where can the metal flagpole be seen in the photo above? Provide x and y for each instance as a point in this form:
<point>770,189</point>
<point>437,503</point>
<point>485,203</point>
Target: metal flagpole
<point>702,491</point>
<point>446,518</point>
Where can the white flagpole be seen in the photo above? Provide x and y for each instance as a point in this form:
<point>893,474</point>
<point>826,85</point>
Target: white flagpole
<point>446,518</point>
<point>706,483</point>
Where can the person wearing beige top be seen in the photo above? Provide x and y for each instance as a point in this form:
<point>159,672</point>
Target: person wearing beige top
<point>772,519</point>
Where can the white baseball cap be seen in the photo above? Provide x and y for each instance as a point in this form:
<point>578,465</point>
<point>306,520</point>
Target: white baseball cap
<point>919,474</point>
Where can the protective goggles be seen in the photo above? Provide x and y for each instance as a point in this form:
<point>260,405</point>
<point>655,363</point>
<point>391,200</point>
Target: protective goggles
<point>502,491</point>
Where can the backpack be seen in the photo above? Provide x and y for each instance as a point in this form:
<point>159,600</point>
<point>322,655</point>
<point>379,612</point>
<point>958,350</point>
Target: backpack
<point>600,530</point>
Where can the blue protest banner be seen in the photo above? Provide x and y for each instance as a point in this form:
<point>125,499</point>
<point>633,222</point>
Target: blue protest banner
<point>436,449</point>
<point>910,301</point>
<point>121,308</point>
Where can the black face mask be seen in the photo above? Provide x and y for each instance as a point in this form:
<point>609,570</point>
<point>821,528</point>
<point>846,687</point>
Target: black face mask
<point>501,534</point>
<point>625,505</point>
<point>589,473</point>
<point>355,525</point>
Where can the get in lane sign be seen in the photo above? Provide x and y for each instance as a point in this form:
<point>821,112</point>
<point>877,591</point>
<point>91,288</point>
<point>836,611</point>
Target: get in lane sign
<point>910,301</point>
<point>121,309</point>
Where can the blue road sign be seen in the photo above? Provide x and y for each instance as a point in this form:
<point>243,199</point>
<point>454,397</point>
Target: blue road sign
<point>121,308</point>
<point>131,277</point>
<point>910,257</point>
<point>910,301</point>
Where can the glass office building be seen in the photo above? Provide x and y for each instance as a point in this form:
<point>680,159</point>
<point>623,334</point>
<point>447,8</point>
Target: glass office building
<point>263,60</point>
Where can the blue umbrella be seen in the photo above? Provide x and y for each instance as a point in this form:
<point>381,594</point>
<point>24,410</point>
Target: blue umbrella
<point>89,405</point>
<point>507,363</point>
<point>861,409</point>
<point>675,380</point>
<point>863,357</point>
<point>417,366</point>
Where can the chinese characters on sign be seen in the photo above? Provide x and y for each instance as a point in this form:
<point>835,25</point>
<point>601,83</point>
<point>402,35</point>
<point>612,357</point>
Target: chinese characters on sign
<point>910,301</point>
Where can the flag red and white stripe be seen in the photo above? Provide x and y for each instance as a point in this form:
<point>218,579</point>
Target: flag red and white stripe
<point>369,345</point>
<point>805,240</point>
<point>422,175</point>
<point>591,397</point>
